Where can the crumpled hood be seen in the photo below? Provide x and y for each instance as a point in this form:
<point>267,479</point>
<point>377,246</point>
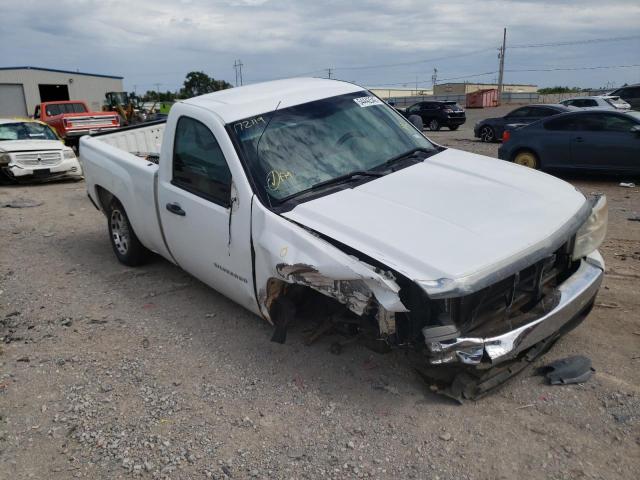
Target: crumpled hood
<point>452,216</point>
<point>30,145</point>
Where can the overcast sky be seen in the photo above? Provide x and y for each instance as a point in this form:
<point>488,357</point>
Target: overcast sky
<point>159,41</point>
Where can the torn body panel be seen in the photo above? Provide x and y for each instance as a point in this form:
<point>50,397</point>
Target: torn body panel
<point>287,254</point>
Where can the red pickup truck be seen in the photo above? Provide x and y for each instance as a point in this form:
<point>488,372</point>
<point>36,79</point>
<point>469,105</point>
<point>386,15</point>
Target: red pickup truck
<point>72,118</point>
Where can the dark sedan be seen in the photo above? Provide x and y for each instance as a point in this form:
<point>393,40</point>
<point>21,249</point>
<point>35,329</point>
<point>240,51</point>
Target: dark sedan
<point>490,129</point>
<point>597,140</point>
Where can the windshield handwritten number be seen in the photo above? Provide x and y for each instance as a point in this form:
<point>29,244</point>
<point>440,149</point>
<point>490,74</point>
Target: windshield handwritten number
<point>275,179</point>
<point>246,124</point>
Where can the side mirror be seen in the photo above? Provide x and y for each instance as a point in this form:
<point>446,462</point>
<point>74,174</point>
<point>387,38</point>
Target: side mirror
<point>635,129</point>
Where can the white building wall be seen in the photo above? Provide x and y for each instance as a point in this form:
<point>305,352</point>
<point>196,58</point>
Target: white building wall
<point>81,87</point>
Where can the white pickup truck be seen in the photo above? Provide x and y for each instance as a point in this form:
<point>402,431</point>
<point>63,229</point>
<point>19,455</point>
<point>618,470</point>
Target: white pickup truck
<point>314,198</point>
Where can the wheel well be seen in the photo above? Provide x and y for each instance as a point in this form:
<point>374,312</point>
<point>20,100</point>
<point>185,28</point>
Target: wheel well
<point>105,197</point>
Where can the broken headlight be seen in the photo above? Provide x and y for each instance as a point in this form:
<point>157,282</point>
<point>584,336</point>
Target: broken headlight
<point>592,232</point>
<point>5,159</point>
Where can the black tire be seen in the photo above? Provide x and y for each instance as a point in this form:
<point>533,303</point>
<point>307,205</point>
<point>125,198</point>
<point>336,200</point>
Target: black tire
<point>453,127</point>
<point>487,134</point>
<point>417,121</point>
<point>124,241</point>
<point>434,125</point>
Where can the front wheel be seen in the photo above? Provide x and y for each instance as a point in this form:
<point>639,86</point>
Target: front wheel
<point>434,125</point>
<point>527,159</point>
<point>124,241</point>
<point>453,127</point>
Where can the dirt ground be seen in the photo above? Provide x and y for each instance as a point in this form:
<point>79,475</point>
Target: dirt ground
<point>111,372</point>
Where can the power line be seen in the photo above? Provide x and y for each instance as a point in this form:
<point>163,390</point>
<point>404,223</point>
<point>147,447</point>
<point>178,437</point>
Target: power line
<point>598,67</point>
<point>577,42</point>
<point>404,64</point>
<point>573,68</point>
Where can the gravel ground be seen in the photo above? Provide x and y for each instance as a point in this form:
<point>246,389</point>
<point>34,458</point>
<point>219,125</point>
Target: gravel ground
<point>112,372</point>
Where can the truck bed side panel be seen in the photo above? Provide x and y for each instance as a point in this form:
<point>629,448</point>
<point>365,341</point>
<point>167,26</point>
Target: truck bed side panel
<point>147,139</point>
<point>132,180</point>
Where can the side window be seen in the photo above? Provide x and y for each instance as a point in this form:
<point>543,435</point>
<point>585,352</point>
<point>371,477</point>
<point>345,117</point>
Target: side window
<point>615,123</point>
<point>413,108</point>
<point>199,165</point>
<point>53,110</point>
<point>546,112</point>
<point>519,112</point>
<point>590,103</point>
<point>562,123</point>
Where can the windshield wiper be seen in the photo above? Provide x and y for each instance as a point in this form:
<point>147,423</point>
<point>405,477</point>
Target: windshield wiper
<point>335,181</point>
<point>405,156</point>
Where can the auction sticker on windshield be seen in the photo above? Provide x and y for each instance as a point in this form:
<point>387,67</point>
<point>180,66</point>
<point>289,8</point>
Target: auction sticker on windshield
<point>367,101</point>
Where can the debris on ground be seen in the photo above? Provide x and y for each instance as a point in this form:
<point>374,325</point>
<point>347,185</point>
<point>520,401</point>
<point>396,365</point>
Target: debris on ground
<point>627,184</point>
<point>575,369</point>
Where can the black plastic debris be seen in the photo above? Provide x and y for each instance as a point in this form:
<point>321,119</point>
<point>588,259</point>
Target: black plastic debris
<point>576,369</point>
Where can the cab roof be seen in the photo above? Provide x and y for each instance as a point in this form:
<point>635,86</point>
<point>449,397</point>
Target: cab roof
<point>242,102</point>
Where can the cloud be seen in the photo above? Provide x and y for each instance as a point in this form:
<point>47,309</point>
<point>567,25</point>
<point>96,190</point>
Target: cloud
<point>150,41</point>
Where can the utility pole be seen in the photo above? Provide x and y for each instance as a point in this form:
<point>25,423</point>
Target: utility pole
<point>434,77</point>
<point>235,68</point>
<point>158,90</point>
<point>328,72</point>
<point>501,57</point>
<point>237,65</point>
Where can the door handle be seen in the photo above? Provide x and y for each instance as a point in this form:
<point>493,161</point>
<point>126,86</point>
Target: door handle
<point>579,139</point>
<point>176,209</point>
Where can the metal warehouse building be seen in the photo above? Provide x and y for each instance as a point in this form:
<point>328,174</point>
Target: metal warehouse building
<point>22,88</point>
<point>464,88</point>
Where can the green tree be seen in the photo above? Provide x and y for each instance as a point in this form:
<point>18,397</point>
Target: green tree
<point>558,89</point>
<point>199,83</point>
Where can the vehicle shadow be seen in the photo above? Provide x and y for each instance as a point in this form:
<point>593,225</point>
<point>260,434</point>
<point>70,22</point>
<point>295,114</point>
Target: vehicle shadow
<point>177,301</point>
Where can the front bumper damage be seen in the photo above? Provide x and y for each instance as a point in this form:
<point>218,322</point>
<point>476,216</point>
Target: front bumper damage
<point>571,298</point>
<point>479,363</point>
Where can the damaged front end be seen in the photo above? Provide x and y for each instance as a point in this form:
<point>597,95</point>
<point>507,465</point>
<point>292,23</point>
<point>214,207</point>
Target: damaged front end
<point>471,340</point>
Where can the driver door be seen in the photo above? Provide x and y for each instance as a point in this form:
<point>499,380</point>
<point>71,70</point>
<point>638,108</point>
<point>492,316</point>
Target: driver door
<point>205,229</point>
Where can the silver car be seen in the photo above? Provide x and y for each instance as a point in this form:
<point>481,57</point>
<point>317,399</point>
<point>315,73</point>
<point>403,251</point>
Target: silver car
<point>608,102</point>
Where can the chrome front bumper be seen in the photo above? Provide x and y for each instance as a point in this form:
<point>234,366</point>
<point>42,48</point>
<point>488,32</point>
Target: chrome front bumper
<point>572,298</point>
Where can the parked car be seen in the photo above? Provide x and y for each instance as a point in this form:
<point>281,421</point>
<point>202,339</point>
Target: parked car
<point>490,129</point>
<point>31,149</point>
<point>72,119</point>
<point>630,94</point>
<point>312,198</point>
<point>436,115</point>
<point>599,140</point>
<point>601,102</point>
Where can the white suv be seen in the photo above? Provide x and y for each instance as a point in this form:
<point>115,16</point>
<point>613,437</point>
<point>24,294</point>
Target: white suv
<point>608,102</point>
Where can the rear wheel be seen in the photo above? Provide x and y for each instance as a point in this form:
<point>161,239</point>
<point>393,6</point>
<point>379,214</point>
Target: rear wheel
<point>124,241</point>
<point>453,127</point>
<point>434,125</point>
<point>527,159</point>
<point>487,134</point>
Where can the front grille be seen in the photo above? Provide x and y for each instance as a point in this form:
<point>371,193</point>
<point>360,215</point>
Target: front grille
<point>489,309</point>
<point>38,159</point>
<point>90,121</point>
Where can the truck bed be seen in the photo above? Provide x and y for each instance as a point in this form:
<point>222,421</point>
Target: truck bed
<point>141,140</point>
<point>124,163</point>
